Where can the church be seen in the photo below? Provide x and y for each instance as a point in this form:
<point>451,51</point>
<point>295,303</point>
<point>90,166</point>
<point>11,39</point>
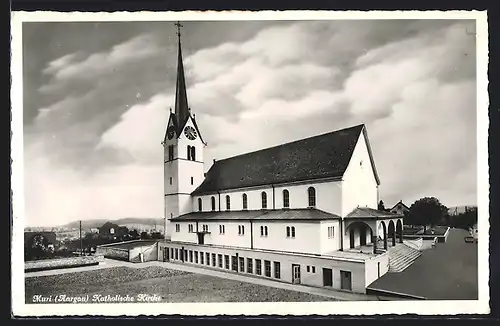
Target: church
<point>304,212</point>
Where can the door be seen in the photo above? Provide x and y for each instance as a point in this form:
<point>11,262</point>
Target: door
<point>295,274</point>
<point>200,238</point>
<point>351,239</point>
<point>345,280</point>
<point>362,236</point>
<point>327,277</point>
<point>166,254</point>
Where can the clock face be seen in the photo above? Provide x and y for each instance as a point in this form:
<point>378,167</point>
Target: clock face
<point>170,132</point>
<point>190,133</point>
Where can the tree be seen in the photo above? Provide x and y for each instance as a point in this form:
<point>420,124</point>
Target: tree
<point>134,234</point>
<point>427,211</point>
<point>144,235</point>
<point>465,220</point>
<point>381,206</point>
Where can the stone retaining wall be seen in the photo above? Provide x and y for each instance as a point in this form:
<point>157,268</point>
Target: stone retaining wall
<point>47,264</point>
<point>115,253</point>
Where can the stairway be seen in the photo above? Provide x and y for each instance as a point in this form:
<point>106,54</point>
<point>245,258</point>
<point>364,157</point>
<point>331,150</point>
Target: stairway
<point>401,257</point>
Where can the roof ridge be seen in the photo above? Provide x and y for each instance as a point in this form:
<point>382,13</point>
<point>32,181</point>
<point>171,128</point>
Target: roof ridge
<point>290,142</point>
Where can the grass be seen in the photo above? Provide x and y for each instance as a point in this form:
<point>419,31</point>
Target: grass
<point>170,285</point>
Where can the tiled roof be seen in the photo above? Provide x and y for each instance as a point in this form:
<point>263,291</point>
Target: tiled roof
<point>366,212</point>
<point>278,214</point>
<point>323,156</point>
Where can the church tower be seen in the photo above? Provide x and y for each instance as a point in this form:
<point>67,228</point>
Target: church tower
<point>183,151</point>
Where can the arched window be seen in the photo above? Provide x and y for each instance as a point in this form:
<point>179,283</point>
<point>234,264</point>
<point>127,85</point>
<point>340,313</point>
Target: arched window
<point>311,193</point>
<point>286,199</point>
<point>264,200</point>
<point>200,207</point>
<point>245,201</point>
<point>213,203</point>
<point>228,202</point>
<point>193,153</point>
<point>288,232</point>
<point>189,152</point>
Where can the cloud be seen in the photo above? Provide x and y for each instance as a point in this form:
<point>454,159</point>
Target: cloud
<point>77,66</point>
<point>411,83</point>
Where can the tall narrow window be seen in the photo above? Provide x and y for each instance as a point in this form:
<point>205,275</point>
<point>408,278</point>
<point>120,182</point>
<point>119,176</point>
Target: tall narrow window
<point>288,232</point>
<point>293,231</point>
<point>245,201</point>
<point>170,152</point>
<point>264,200</point>
<point>228,202</point>
<point>192,180</point>
<point>311,192</point>
<point>286,199</point>
<point>189,152</point>
<point>193,153</point>
<point>213,203</point>
<point>265,231</point>
<point>170,179</point>
<point>200,207</point>
<point>261,231</point>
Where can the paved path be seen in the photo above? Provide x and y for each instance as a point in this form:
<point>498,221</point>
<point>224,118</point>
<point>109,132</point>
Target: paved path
<point>446,272</point>
<point>108,263</point>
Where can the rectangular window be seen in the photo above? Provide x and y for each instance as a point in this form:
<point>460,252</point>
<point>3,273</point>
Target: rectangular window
<point>190,228</point>
<point>220,260</point>
<point>226,261</point>
<point>170,179</point>
<point>267,267</point>
<point>172,253</point>
<point>313,269</point>
<point>201,258</point>
<point>192,180</point>
<point>176,253</point>
<point>258,267</point>
<point>190,256</point>
<point>249,265</point>
<point>208,258</point>
<point>330,231</point>
<point>241,229</point>
<point>234,263</point>
<point>222,229</point>
<point>277,273</point>
<point>214,260</point>
<point>177,228</point>
<point>308,269</point>
<point>242,264</point>
<point>196,257</point>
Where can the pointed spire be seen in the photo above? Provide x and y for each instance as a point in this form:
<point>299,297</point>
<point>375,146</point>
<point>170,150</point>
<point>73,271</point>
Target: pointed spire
<point>181,103</point>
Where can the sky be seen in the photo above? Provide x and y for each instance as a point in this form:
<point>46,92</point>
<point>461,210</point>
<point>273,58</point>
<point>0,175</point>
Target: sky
<point>97,96</point>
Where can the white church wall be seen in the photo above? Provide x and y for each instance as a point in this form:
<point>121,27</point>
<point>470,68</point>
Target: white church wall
<point>359,187</point>
<point>231,235</point>
<point>329,244</point>
<point>306,238</point>
<point>328,197</point>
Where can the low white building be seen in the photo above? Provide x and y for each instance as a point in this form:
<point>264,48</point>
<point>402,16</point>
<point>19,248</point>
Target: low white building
<point>302,212</point>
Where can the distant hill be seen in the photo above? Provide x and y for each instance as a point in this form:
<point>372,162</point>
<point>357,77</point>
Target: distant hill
<point>130,222</point>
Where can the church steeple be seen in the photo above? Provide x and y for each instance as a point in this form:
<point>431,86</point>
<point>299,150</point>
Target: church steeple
<point>181,103</point>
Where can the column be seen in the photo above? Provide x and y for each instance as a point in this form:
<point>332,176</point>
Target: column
<point>374,241</point>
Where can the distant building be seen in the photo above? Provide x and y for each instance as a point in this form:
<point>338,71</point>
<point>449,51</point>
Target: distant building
<point>400,208</point>
<point>112,229</point>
